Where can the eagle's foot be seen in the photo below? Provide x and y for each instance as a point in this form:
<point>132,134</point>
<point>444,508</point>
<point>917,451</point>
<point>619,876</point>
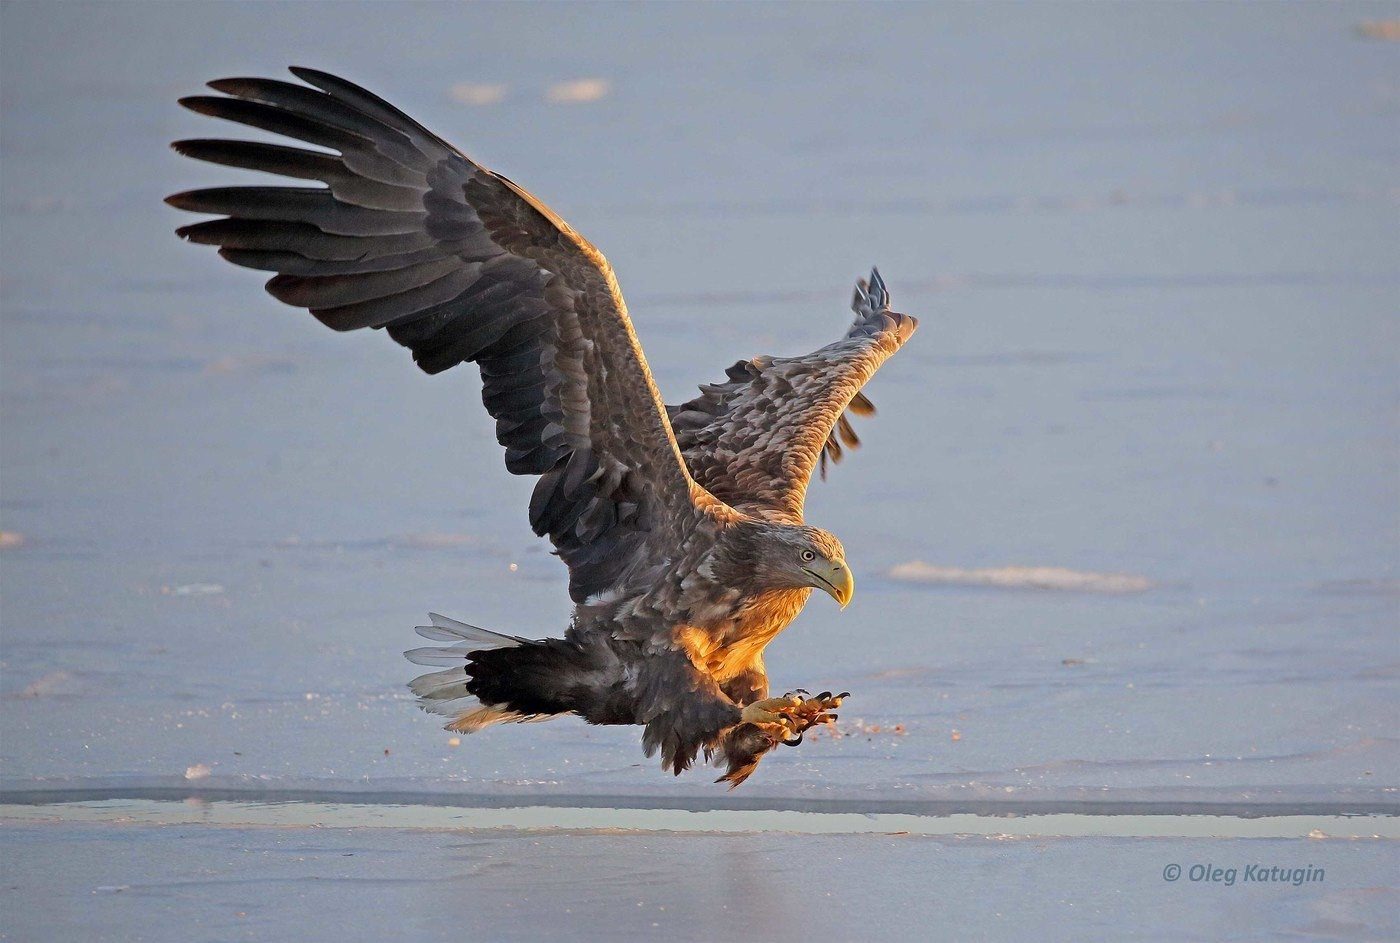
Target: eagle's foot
<point>794,713</point>
<point>765,724</point>
<point>773,714</point>
<point>810,712</point>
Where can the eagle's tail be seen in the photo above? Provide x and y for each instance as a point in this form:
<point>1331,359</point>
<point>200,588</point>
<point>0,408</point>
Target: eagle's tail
<point>455,691</point>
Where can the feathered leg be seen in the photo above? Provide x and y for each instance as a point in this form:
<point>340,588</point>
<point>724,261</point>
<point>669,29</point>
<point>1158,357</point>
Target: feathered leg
<point>682,709</point>
<point>685,711</point>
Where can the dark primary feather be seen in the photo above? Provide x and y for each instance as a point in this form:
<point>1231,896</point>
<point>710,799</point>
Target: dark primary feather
<point>460,264</point>
<point>756,439</point>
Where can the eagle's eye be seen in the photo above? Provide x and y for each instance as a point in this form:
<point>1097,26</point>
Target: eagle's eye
<point>808,556</point>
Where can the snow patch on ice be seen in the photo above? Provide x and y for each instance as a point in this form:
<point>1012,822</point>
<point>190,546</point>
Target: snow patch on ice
<point>55,682</point>
<point>1388,30</point>
<point>193,589</point>
<point>1020,577</point>
<point>578,91</point>
<point>477,93</point>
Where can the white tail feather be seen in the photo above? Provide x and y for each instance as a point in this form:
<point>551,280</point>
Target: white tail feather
<point>438,657</point>
<point>445,692</point>
<point>444,629</point>
<point>438,685</point>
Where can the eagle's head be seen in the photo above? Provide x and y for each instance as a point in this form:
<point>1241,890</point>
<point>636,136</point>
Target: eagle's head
<point>793,556</point>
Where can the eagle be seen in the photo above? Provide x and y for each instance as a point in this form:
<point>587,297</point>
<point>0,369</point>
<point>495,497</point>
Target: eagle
<point>681,526</point>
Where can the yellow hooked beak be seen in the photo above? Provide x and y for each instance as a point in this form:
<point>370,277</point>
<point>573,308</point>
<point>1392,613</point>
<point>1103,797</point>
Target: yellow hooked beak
<point>833,577</point>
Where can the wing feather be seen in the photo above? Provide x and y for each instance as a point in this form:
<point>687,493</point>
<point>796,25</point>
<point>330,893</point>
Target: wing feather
<point>300,238</point>
<point>460,264</point>
<point>755,440</point>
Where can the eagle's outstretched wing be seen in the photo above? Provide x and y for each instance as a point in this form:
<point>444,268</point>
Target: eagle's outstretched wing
<point>460,264</point>
<point>757,438</point>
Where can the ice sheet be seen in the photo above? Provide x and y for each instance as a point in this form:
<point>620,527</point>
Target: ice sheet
<point>1154,254</point>
<point>147,882</point>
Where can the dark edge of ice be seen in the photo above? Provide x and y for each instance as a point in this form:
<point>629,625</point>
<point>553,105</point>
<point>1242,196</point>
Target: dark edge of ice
<point>997,808</point>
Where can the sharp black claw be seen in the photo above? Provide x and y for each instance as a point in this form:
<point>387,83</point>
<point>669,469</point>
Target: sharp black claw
<point>793,743</point>
<point>824,696</point>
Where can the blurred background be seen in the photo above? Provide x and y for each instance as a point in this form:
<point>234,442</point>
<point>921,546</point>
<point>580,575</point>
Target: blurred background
<point>1154,253</point>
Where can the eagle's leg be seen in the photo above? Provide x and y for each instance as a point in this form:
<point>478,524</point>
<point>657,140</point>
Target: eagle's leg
<point>682,709</point>
<point>747,686</point>
<point>796,712</point>
<point>775,712</point>
<point>734,723</point>
<point>768,723</point>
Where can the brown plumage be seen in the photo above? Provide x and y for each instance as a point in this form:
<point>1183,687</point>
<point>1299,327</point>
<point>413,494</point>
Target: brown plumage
<point>681,526</point>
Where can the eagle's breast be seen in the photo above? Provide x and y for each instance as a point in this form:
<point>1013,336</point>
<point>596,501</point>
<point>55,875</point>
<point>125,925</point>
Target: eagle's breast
<point>733,643</point>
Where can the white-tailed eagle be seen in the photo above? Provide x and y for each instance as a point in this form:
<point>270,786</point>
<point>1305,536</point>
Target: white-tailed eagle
<point>681,526</point>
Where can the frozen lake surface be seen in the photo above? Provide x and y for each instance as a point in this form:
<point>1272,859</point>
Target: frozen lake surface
<point>118,883</point>
<point>1125,530</point>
